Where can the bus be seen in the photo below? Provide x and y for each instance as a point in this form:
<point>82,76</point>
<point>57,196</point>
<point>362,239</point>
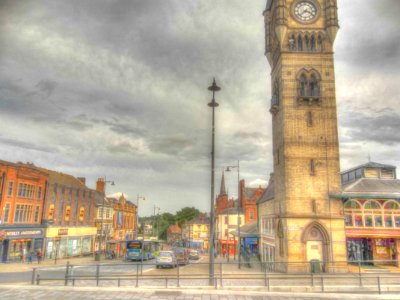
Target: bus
<point>141,250</point>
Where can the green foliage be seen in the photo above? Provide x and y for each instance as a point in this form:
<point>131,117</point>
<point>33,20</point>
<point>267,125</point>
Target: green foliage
<point>163,221</point>
<point>186,214</point>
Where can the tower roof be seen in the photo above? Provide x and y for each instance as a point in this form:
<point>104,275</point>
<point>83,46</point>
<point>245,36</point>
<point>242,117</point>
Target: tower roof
<point>223,189</point>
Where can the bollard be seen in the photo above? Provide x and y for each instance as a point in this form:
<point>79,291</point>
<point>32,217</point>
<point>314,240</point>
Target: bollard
<point>66,274</point>
<point>37,279</point>
<point>119,282</point>
<point>379,285</point>
<point>33,276</point>
<point>220,274</point>
<point>312,279</point>
<point>137,275</point>
<point>359,273</point>
<point>322,284</point>
<point>177,283</point>
<point>97,274</point>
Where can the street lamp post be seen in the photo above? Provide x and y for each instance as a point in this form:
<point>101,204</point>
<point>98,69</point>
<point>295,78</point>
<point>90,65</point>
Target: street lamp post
<point>213,104</point>
<point>102,214</point>
<point>238,207</point>
<point>137,208</point>
<point>154,220</point>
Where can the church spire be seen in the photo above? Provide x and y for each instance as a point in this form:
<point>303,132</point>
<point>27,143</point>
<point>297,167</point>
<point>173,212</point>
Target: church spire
<point>223,190</point>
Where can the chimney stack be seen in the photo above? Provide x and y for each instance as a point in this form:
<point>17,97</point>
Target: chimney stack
<point>100,185</point>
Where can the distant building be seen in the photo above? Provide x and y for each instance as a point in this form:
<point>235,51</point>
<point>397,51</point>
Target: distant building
<point>125,213</point>
<point>371,196</point>
<point>227,222</point>
<point>69,213</point>
<point>196,232</point>
<point>174,233</point>
<point>22,194</point>
<point>104,217</point>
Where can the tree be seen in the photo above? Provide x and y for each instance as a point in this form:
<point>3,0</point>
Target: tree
<point>186,214</point>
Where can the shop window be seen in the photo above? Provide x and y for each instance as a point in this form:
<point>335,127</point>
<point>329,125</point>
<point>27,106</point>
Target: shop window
<point>397,221</point>
<point>39,192</point>
<point>388,221</point>
<point>51,212</point>
<point>368,221</point>
<point>251,215</point>
<point>372,205</point>
<point>391,205</point>
<point>348,219</point>
<point>36,218</point>
<point>6,212</point>
<point>352,204</point>
<point>10,188</point>
<point>81,214</point>
<point>67,213</point>
<point>358,221</point>
<point>378,221</point>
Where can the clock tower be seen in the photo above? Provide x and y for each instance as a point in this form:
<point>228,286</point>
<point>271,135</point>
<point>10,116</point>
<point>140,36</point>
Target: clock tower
<point>307,220</point>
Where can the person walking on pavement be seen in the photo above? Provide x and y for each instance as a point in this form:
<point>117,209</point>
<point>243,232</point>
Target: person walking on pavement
<point>39,256</point>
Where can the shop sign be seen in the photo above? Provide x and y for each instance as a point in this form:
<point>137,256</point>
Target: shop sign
<point>63,231</point>
<point>229,242</point>
<point>2,234</point>
<point>19,233</point>
<point>251,241</point>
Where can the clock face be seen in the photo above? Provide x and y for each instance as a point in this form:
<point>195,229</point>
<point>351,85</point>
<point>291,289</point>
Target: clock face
<point>305,11</point>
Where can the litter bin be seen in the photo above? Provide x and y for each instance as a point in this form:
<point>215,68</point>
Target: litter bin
<point>315,266</point>
<point>97,256</point>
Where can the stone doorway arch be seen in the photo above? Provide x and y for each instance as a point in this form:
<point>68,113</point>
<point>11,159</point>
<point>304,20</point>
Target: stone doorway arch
<point>316,241</point>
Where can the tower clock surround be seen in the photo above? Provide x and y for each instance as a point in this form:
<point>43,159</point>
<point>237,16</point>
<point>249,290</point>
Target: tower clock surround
<point>305,11</point>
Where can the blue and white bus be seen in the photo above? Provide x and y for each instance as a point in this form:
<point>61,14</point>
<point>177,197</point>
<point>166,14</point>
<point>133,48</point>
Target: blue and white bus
<point>141,250</point>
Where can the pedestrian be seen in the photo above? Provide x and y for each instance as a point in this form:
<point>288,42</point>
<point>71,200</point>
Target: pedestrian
<point>39,256</point>
<point>29,257</point>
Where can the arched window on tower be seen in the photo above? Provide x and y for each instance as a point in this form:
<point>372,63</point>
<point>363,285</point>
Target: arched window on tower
<point>302,85</point>
<point>312,43</point>
<point>307,43</point>
<point>320,45</point>
<point>313,86</point>
<point>292,42</point>
<point>299,43</point>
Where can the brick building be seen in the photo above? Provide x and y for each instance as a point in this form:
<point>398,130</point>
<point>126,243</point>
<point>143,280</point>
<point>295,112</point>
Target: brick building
<point>22,193</point>
<point>124,223</point>
<point>69,213</point>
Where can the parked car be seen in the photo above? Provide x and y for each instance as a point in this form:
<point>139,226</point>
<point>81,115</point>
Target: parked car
<point>182,255</point>
<point>166,259</point>
<point>194,254</point>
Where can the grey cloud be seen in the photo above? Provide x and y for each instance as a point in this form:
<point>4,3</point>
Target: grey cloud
<point>171,145</point>
<point>26,145</point>
<point>123,147</point>
<point>380,128</point>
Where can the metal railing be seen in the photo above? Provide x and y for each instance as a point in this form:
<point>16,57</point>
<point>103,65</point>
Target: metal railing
<point>328,277</point>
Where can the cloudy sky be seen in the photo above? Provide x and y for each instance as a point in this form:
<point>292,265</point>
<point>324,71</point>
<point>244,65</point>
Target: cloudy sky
<point>119,89</point>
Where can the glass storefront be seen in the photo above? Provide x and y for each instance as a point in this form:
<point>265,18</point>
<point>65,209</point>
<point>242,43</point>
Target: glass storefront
<point>69,246</point>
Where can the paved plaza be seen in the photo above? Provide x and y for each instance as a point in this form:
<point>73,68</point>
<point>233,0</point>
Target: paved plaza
<point>76,293</point>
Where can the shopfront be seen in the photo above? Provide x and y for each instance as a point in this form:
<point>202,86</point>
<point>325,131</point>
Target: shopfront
<point>377,248</point>
<point>19,242</point>
<point>227,246</point>
<point>69,242</point>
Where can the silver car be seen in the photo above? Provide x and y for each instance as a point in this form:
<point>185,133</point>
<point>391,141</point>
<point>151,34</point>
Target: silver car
<point>166,259</point>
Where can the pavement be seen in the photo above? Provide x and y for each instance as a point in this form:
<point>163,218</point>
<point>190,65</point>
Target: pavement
<point>50,263</point>
<point>128,291</point>
<point>77,293</point>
